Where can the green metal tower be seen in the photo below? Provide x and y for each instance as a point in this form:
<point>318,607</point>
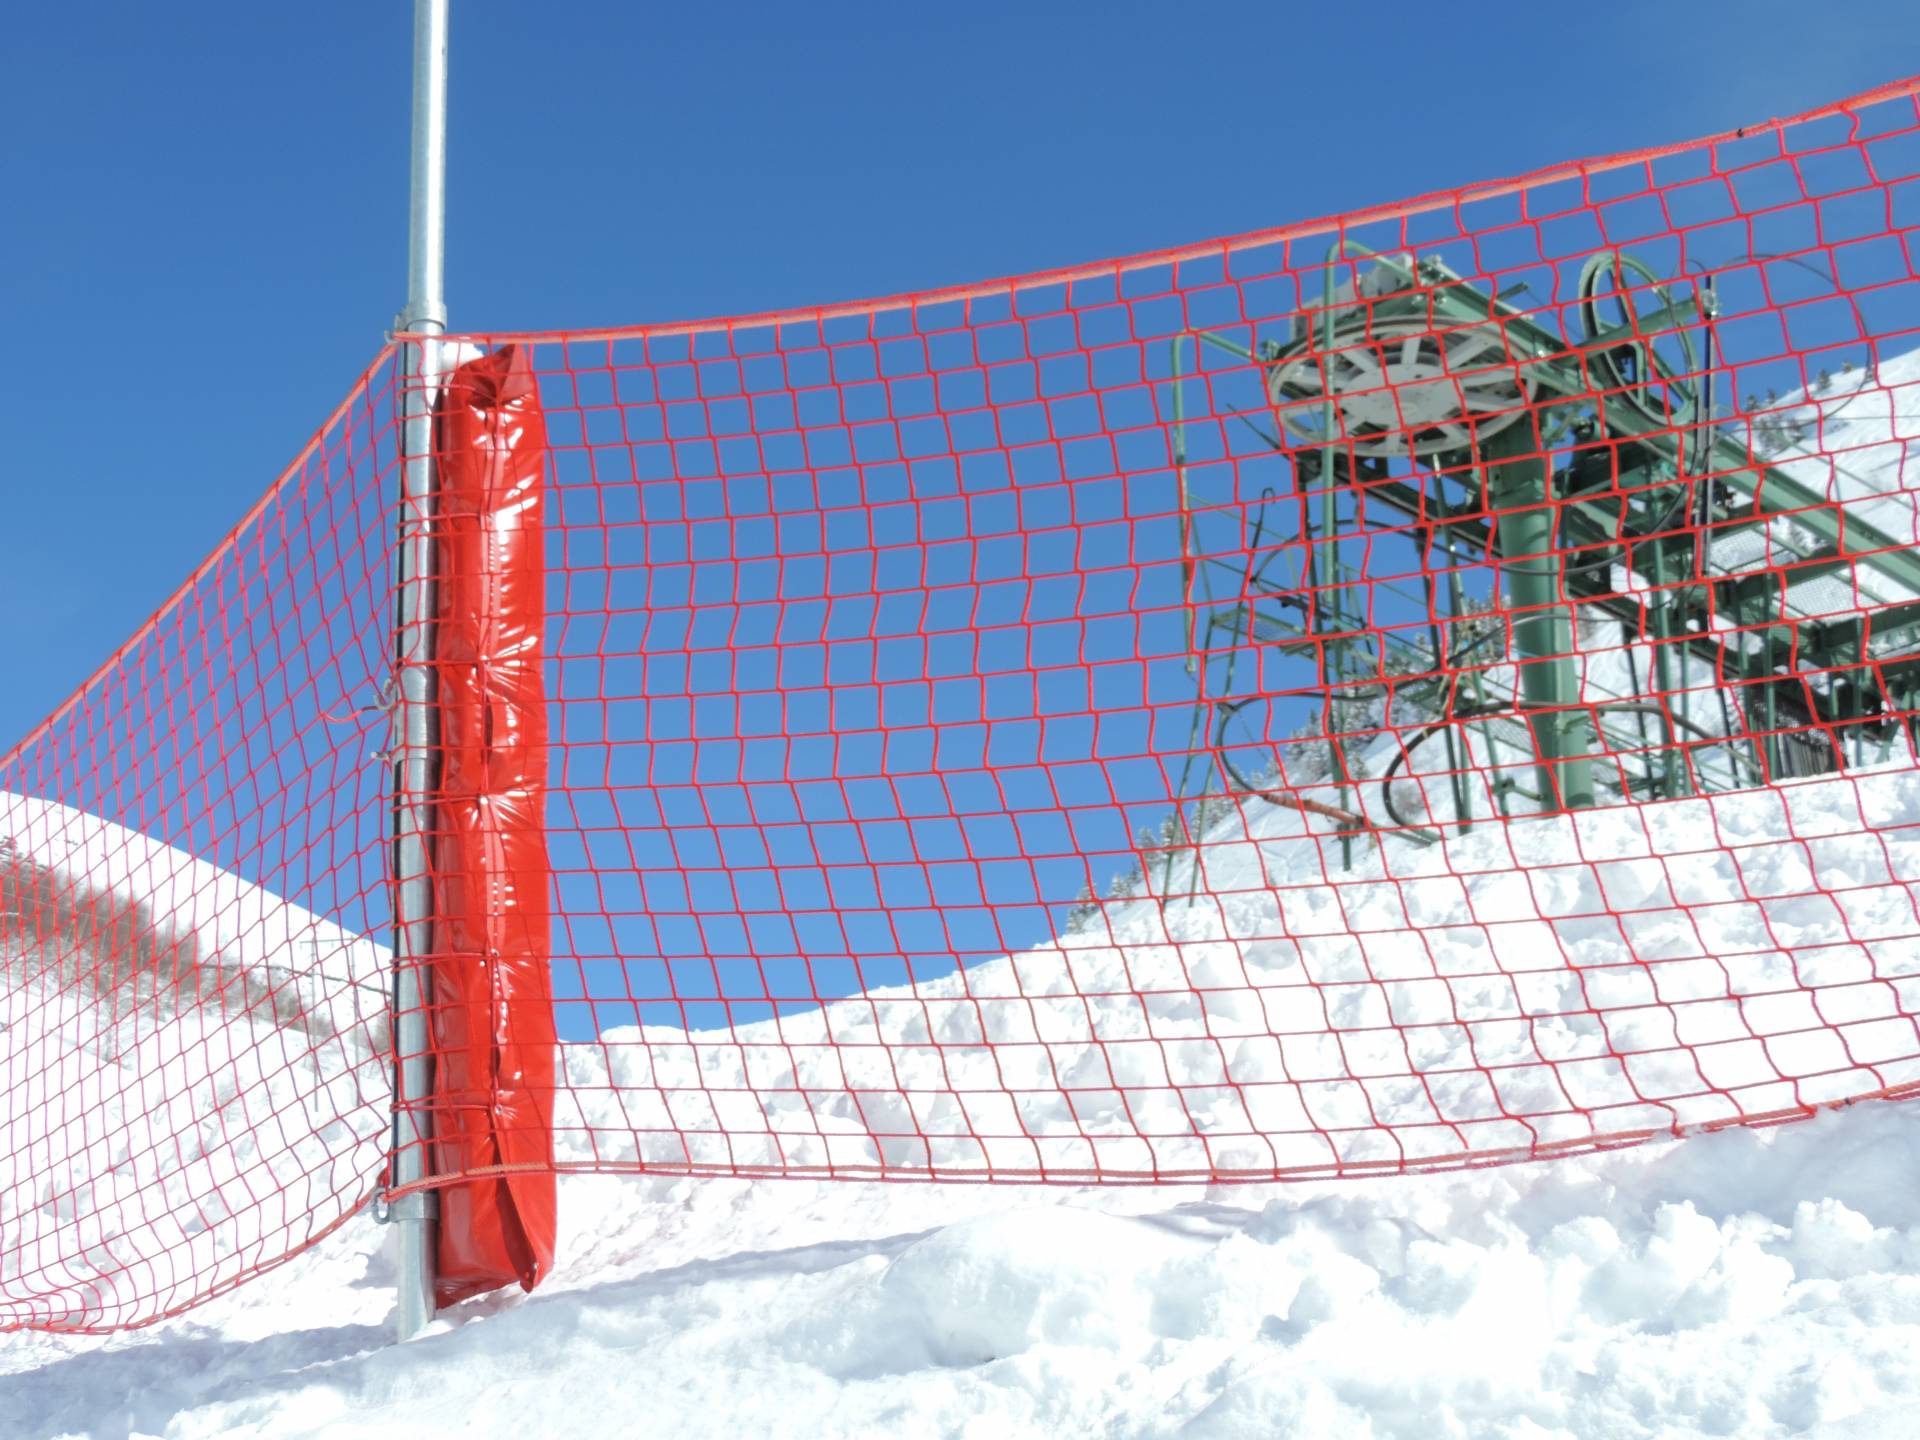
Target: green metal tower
<point>1590,475</point>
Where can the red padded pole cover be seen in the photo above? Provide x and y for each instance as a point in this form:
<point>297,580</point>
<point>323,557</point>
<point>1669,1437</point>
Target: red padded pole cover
<point>492,1001</point>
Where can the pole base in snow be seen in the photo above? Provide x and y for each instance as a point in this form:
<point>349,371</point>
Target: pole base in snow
<point>413,1219</point>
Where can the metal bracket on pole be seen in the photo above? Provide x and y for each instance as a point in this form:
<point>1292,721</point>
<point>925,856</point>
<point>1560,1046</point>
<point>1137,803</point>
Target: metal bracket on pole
<point>415,759</point>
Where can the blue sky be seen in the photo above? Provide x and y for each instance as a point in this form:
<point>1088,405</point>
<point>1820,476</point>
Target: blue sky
<point>205,204</point>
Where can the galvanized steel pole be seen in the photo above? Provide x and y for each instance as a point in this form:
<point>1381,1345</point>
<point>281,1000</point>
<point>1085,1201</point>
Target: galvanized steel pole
<point>415,767</point>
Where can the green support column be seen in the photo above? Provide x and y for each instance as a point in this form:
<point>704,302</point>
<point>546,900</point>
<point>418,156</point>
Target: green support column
<point>1518,482</point>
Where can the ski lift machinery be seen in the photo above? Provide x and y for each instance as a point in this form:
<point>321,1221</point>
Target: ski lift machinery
<point>1590,475</point>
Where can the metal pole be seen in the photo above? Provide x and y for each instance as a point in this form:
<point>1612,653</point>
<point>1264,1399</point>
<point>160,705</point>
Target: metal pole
<point>1519,490</point>
<point>1331,653</point>
<point>1462,803</point>
<point>415,768</point>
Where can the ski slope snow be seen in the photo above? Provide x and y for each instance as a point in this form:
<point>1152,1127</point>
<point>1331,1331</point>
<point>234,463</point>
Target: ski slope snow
<point>1747,1283</point>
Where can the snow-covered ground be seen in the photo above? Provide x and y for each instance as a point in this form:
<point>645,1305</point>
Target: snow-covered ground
<point>1553,982</point>
<point>1749,1283</point>
<point>1559,982</point>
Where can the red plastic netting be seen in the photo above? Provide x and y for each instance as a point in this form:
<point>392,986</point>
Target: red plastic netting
<point>1416,690</point>
<point>1410,691</point>
<point>193,1009</point>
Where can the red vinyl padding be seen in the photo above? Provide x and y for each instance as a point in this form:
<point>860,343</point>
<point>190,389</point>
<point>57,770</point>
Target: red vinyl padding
<point>493,1028</point>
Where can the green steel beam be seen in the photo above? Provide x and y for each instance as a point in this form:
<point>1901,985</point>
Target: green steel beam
<point>1519,488</point>
<point>1555,365</point>
<point>1531,527</point>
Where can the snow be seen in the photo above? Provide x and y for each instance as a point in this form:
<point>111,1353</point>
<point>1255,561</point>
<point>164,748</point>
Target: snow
<point>1437,1006</point>
<point>1749,1283</point>
<point>1855,433</point>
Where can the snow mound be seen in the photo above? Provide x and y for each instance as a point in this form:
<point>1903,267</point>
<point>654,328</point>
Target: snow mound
<point>1852,437</point>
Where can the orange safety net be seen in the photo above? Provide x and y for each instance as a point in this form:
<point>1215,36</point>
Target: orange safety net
<point>1426,688</point>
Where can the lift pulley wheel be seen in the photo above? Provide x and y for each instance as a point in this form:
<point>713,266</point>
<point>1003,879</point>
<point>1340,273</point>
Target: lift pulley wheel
<point>1632,370</point>
<point>1398,386</point>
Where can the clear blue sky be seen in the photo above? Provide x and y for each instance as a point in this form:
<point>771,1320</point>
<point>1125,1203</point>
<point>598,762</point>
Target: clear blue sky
<point>205,204</point>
